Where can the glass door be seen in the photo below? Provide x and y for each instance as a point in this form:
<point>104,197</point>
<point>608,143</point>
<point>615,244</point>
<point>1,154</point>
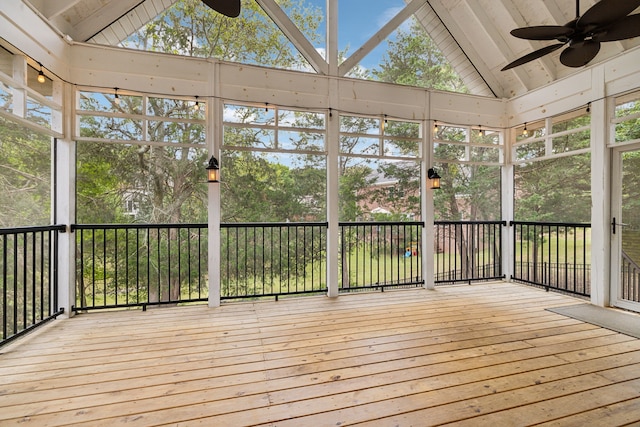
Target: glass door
<point>625,228</point>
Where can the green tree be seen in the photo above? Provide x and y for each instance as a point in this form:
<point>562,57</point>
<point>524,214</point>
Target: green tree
<point>25,176</point>
<point>414,59</point>
<point>191,28</point>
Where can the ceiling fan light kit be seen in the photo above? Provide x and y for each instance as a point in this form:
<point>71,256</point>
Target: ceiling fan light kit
<point>606,21</point>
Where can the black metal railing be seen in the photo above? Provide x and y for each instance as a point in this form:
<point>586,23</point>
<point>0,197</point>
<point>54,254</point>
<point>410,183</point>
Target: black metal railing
<point>380,255</point>
<point>467,251</point>
<point>272,259</point>
<point>28,279</point>
<point>124,265</point>
<point>554,255</point>
<point>629,279</point>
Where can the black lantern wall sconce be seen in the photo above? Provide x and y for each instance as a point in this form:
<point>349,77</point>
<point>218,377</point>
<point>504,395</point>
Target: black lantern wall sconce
<point>434,179</point>
<point>213,170</point>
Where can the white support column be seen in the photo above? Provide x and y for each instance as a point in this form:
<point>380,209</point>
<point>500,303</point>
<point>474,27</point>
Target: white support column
<point>19,96</point>
<point>333,152</point>
<point>600,194</point>
<point>215,108</point>
<point>427,207</point>
<point>64,153</point>
<point>507,203</point>
<point>333,211</point>
<point>332,37</point>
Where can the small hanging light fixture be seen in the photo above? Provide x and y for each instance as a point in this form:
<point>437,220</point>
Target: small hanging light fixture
<point>197,106</point>
<point>213,170</point>
<point>525,132</point>
<point>588,107</point>
<point>480,131</point>
<point>435,127</point>
<point>434,179</point>
<point>116,98</point>
<point>41,76</point>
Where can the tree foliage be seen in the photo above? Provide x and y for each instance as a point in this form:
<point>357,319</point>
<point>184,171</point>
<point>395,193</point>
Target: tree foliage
<point>414,59</point>
<point>191,28</point>
<point>25,176</point>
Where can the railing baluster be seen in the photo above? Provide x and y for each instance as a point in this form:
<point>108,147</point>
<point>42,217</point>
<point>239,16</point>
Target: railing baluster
<point>28,284</point>
<point>549,255</point>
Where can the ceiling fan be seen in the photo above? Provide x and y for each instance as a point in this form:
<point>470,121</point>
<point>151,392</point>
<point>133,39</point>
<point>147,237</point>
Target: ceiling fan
<point>230,8</point>
<point>605,21</point>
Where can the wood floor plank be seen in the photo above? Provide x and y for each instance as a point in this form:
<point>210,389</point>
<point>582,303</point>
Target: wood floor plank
<point>617,414</point>
<point>371,358</point>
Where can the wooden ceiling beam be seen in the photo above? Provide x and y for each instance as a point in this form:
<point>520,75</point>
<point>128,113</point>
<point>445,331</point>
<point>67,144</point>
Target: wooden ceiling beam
<point>293,33</point>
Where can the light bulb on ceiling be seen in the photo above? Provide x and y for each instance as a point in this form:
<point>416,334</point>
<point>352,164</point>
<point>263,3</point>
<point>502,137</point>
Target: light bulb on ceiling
<point>525,132</point>
<point>435,127</point>
<point>41,77</point>
<point>116,98</point>
<point>197,106</point>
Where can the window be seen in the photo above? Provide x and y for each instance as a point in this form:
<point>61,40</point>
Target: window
<point>379,168</point>
<point>469,161</point>
<point>273,164</point>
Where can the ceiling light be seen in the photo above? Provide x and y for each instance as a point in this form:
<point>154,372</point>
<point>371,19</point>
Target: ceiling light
<point>41,77</point>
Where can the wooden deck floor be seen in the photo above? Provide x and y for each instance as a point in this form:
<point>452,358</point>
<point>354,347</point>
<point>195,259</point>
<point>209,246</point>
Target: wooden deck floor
<point>478,355</point>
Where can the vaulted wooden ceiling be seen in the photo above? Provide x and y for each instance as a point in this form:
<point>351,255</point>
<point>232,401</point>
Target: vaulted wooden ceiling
<point>474,34</point>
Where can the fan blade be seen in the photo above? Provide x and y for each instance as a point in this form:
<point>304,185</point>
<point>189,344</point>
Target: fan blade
<point>543,32</point>
<point>606,12</point>
<point>533,55</point>
<point>230,8</point>
<point>582,54</point>
<point>627,28</point>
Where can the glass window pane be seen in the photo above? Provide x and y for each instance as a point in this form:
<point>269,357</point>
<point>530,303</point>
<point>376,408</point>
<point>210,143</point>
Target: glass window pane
<point>249,137</point>
<point>571,123</point>
<point>249,115</point>
<point>39,113</point>
<point>106,102</point>
<point>359,125</point>
<point>530,151</point>
<point>301,119</point>
<point>111,128</point>
<point>121,183</point>
<point>450,152</point>
<point>451,133</point>
<point>272,187</point>
<point>534,130</point>
<point>184,133</point>
<point>401,148</point>
<point>359,145</point>
<point>402,129</point>
<point>555,190</point>
<point>571,142</point>
<point>294,140</point>
<point>175,108</point>
<point>485,154</point>
<point>6,97</point>
<point>25,178</point>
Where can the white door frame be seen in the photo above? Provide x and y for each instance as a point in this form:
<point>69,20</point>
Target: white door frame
<point>616,237</point>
